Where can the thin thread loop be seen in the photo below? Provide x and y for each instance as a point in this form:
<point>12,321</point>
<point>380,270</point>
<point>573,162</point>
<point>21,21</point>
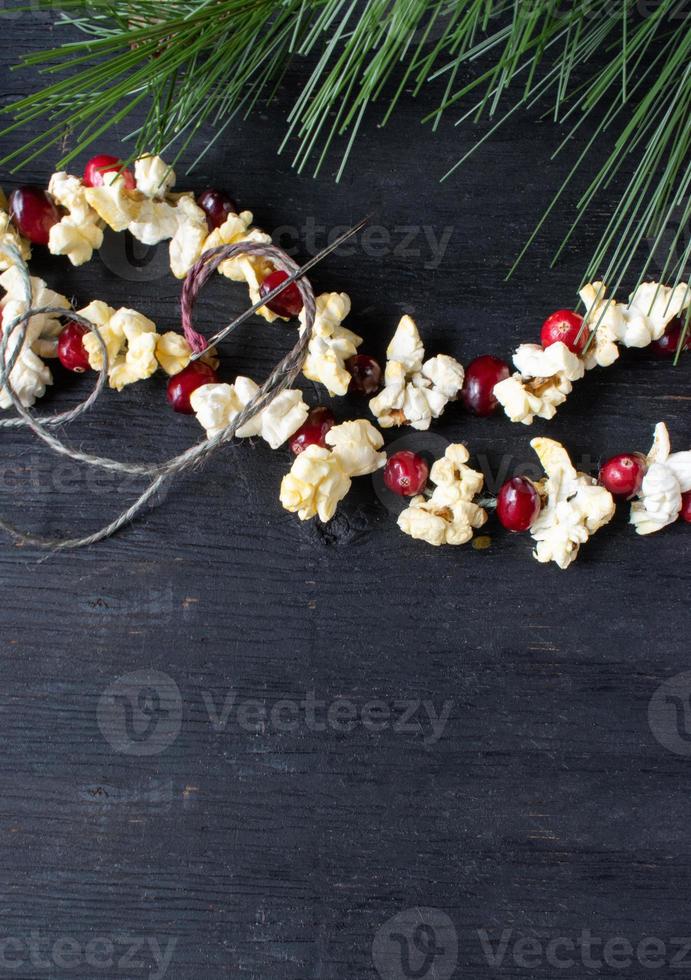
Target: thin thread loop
<point>280,378</point>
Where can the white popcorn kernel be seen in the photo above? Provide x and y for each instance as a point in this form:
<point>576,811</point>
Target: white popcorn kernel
<point>533,361</point>
<point>315,484</point>
<point>331,344</point>
<point>100,314</point>
<point>445,375</point>
<point>283,417</point>
<point>80,231</point>
<point>452,471</point>
<point>173,352</point>
<point>187,243</point>
<point>667,477</point>
<point>154,222</point>
<point>153,176</point>
<point>216,405</point>
<point>114,203</point>
<point>30,375</point>
<point>604,317</point>
<point>406,346</point>
<point>29,378</point>
<point>636,324</point>
<point>542,382</point>
<point>439,523</point>
<point>76,241</point>
<point>414,392</point>
<point>356,446</point>
<point>130,339</point>
<point>9,236</point>
<point>651,307</point>
<point>524,398</point>
<point>250,269</point>
<point>573,506</point>
<point>13,303</point>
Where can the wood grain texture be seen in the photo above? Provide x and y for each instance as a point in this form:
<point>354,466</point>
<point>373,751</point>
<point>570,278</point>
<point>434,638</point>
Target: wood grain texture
<point>266,852</point>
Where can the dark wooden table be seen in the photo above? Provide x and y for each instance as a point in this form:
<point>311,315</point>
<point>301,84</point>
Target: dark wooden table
<point>291,793</point>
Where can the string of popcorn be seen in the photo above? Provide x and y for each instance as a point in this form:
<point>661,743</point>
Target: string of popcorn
<point>560,511</point>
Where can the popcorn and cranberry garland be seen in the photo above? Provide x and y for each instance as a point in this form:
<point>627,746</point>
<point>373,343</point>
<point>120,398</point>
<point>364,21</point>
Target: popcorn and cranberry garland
<point>560,511</point>
<point>572,345</point>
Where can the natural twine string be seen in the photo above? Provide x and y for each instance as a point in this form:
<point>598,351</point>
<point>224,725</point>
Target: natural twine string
<point>282,376</point>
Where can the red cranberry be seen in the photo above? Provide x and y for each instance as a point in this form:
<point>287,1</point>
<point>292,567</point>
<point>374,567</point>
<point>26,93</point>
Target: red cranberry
<point>405,473</point>
<point>287,303</point>
<point>216,205</point>
<point>668,343</point>
<point>622,475</point>
<point>365,374</point>
<point>181,385</point>
<point>313,430</point>
<point>518,504</point>
<point>564,325</point>
<point>685,512</point>
<point>481,376</point>
<point>34,213</point>
<point>71,351</point>
<point>98,166</point>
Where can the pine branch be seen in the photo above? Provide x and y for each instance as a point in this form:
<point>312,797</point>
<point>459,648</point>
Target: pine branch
<point>198,63</point>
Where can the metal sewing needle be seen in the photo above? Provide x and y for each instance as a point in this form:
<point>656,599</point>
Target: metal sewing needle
<point>217,337</point>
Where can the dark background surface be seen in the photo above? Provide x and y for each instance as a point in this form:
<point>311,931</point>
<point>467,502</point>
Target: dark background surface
<point>546,808</point>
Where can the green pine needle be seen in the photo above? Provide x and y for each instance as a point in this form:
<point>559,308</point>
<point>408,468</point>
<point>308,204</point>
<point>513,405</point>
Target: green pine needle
<point>620,72</point>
